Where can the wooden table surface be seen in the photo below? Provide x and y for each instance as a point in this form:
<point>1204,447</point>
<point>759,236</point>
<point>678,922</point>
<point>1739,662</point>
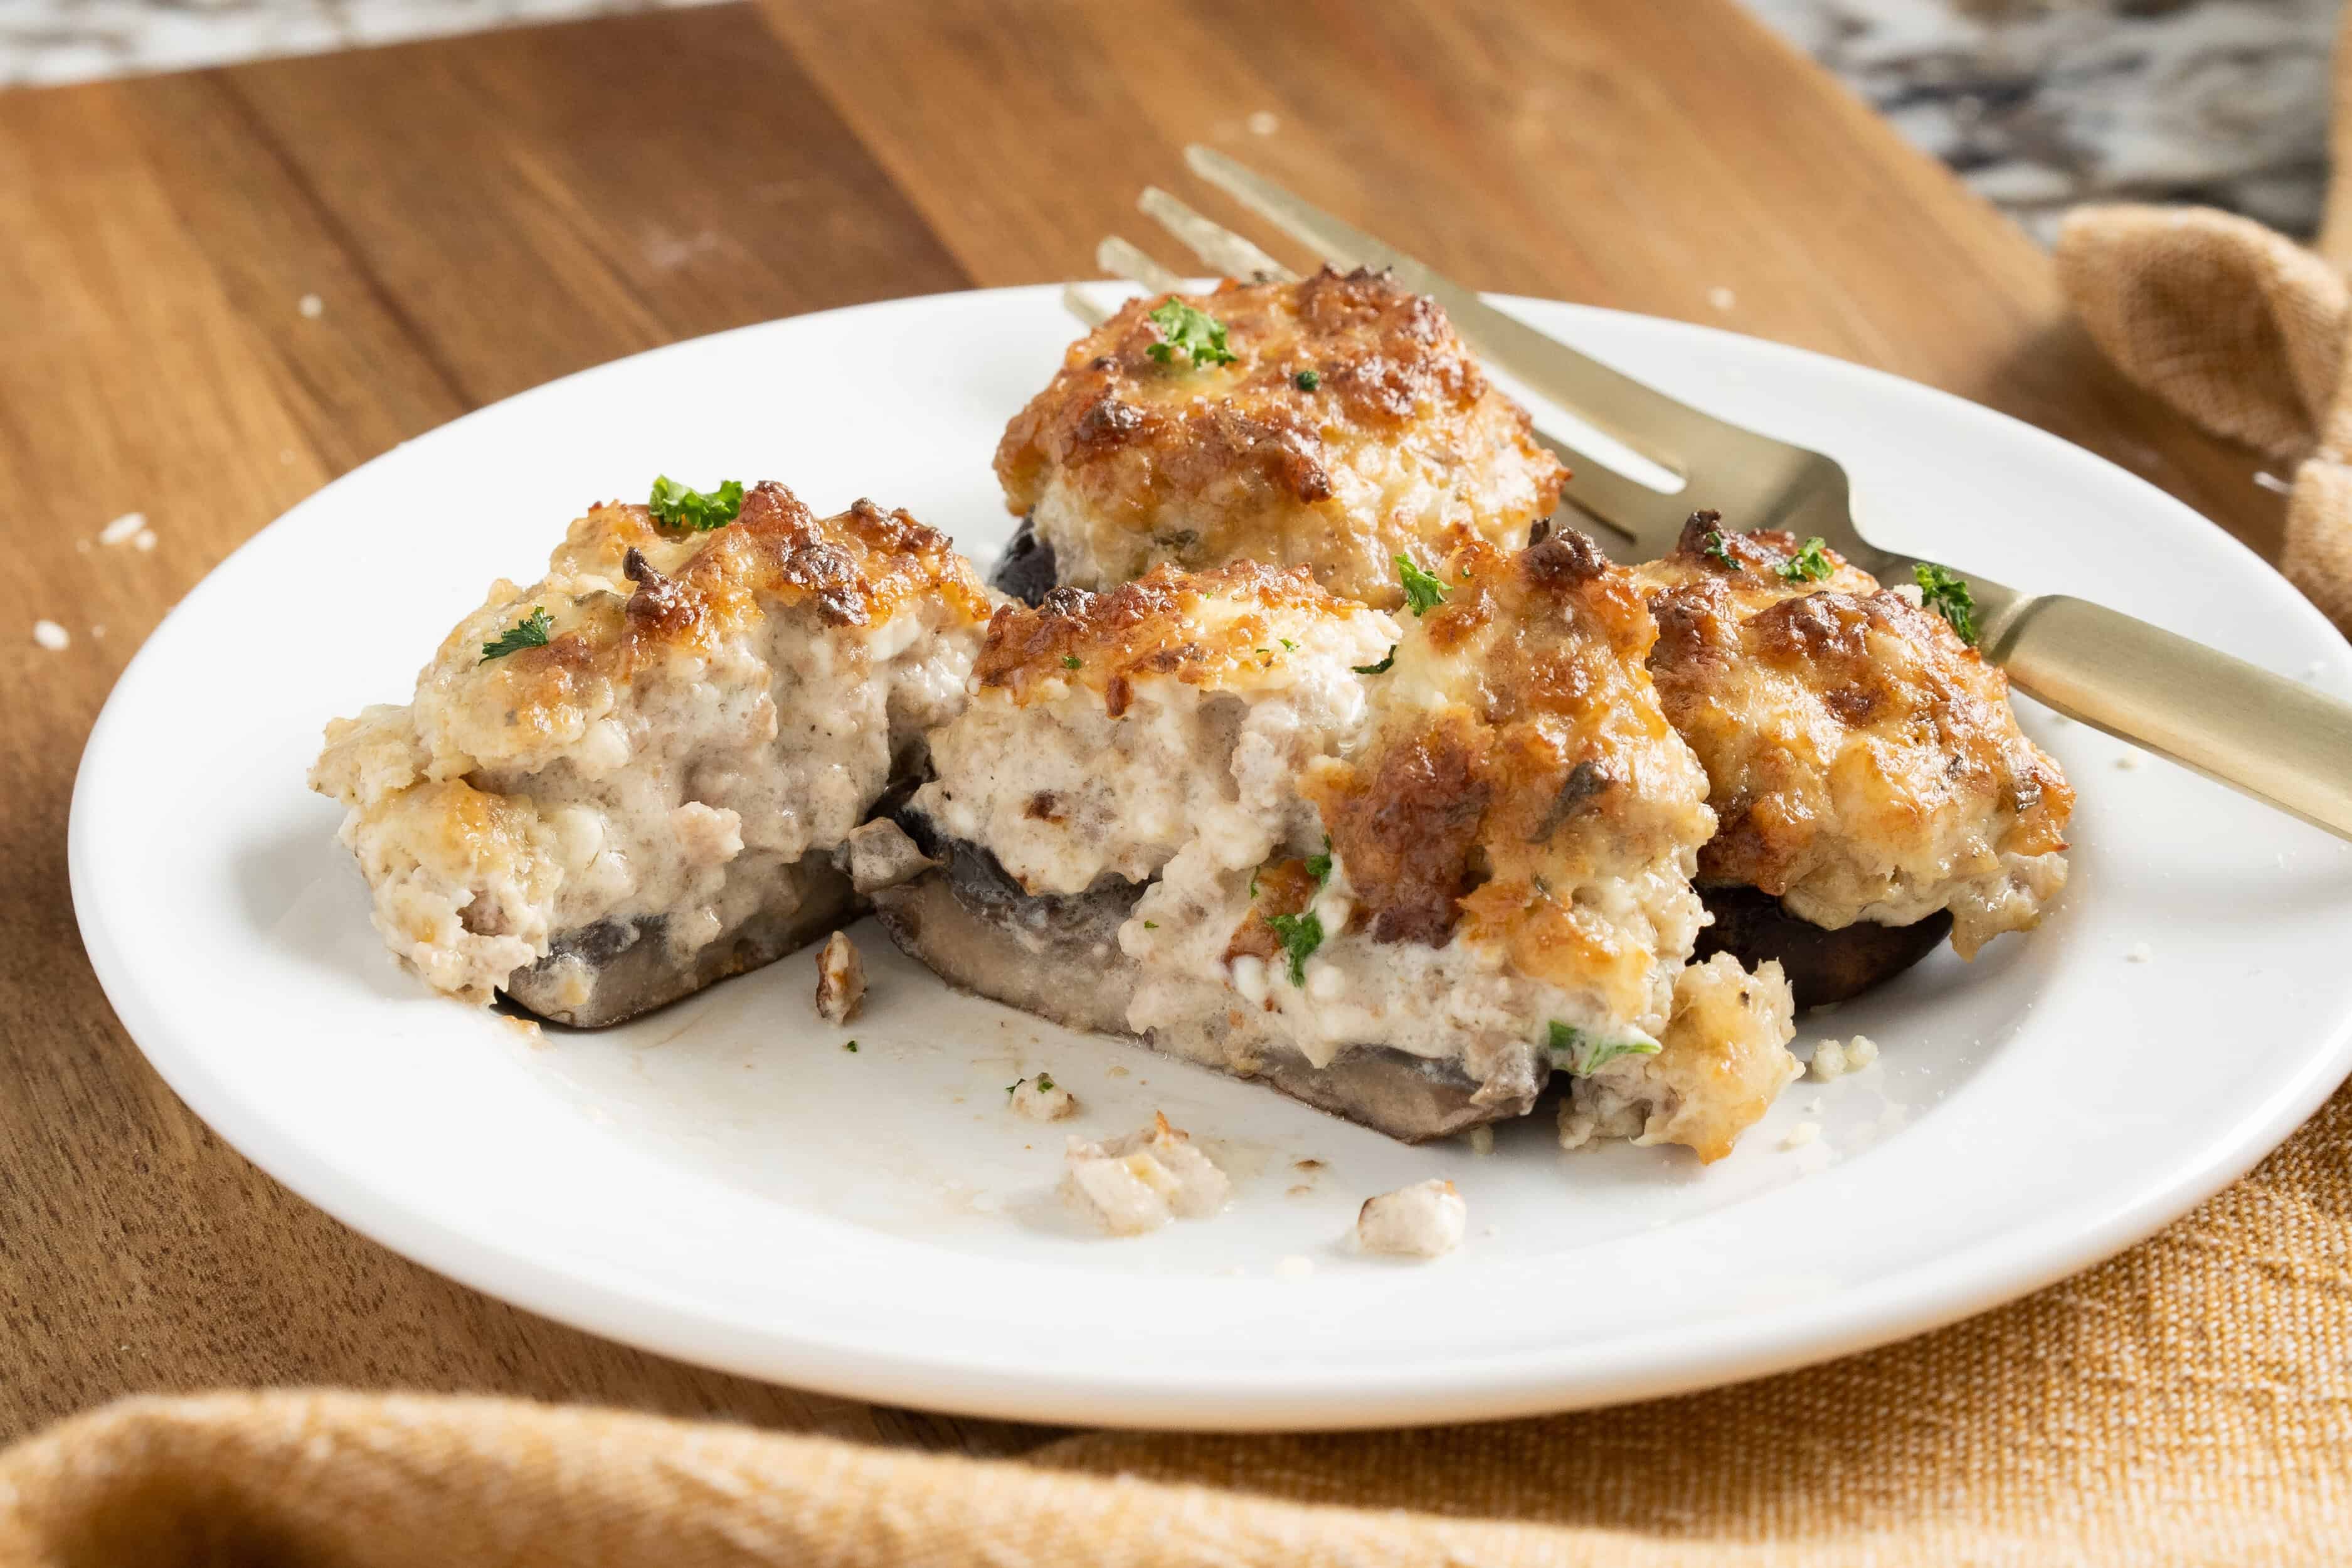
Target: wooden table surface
<point>480,215</point>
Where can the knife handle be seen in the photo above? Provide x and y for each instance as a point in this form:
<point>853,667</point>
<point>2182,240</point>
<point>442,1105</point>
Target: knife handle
<point>2274,738</point>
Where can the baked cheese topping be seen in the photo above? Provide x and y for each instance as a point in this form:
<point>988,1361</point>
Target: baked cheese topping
<point>1350,425</point>
<point>703,710</point>
<point>1864,762</point>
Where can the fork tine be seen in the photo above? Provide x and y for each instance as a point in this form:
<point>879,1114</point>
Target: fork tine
<point>1120,259</point>
<point>1076,301</point>
<point>1626,508</point>
<point>1224,251</point>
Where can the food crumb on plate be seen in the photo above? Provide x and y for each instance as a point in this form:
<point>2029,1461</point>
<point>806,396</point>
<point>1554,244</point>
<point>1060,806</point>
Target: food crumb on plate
<point>1295,1267</point>
<point>1040,1098</point>
<point>1802,1133</point>
<point>50,636</point>
<point>1139,1183</point>
<point>1482,1140</point>
<point>840,979</point>
<point>1836,1058</point>
<point>1424,1220</point>
<point>2131,760</point>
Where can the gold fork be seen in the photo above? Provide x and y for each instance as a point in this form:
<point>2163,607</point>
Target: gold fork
<point>2276,739</point>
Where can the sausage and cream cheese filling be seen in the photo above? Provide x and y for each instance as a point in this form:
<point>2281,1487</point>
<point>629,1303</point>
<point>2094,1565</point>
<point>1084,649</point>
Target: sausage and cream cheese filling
<point>622,782</point>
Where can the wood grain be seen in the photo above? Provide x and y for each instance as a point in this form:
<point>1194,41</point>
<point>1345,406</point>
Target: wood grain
<point>480,215</point>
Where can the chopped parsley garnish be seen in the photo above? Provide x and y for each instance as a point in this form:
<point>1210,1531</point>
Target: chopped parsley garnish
<point>678,507</point>
<point>1016,1083</point>
<point>1288,644</point>
<point>1423,591</point>
<point>1195,334</point>
<point>1379,668</point>
<point>1072,661</point>
<point>1044,1083</point>
<point>1809,564</point>
<point>1319,866</point>
<point>529,632</point>
<point>1300,935</point>
<point>1715,545</point>
<point>851,1046</point>
<point>1152,925</point>
<point>1254,882</point>
<point>1586,1055</point>
<point>1308,380</point>
<point>1947,594</point>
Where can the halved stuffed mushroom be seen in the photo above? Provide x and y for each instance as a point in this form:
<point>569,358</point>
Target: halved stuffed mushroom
<point>1401,869</point>
<point>1335,422</point>
<point>1873,787</point>
<point>631,778</point>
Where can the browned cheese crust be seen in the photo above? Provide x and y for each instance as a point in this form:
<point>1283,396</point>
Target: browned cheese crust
<point>1524,784</point>
<point>1864,763</point>
<point>1228,628</point>
<point>1400,445</point>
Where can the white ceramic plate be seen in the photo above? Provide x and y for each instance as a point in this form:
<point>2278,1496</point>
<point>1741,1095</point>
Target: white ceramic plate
<point>724,1182</point>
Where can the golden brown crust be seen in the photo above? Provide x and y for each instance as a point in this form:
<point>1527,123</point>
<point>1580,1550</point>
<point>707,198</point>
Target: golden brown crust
<point>1523,760</point>
<point>623,592</point>
<point>1204,628</point>
<point>1863,760</point>
<point>1126,462</point>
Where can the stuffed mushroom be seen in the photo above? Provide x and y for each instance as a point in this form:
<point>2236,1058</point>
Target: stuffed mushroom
<point>1335,422</point>
<point>630,779</point>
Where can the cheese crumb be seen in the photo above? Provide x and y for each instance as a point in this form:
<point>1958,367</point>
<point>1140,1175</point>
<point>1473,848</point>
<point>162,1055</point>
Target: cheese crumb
<point>50,635</point>
<point>2129,760</point>
<point>1834,1059</point>
<point>1139,1183</point>
<point>840,980</point>
<point>1802,1133</point>
<point>1424,1220</point>
<point>1482,1140</point>
<point>1040,1098</point>
<point>121,530</point>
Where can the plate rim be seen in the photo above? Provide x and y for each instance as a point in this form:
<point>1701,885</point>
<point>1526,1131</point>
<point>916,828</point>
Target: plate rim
<point>1909,1301</point>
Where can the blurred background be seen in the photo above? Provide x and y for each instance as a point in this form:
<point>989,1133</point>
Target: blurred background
<point>2038,104</point>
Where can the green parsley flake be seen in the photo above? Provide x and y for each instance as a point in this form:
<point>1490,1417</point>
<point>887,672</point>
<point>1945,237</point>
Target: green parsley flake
<point>1308,380</point>
<point>1586,1055</point>
<point>851,1046</point>
<point>1319,866</point>
<point>1072,661</point>
<point>1715,545</point>
<point>1379,668</point>
<point>1300,936</point>
<point>529,632</point>
<point>1044,1083</point>
<point>1809,564</point>
<point>1947,594</point>
<point>1016,1083</point>
<point>676,506</point>
<point>1197,334</point>
<point>1423,591</point>
<point>1288,644</point>
<point>1152,925</point>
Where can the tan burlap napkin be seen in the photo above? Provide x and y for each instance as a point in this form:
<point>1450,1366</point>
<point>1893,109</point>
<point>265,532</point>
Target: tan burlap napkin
<point>2190,1403</point>
<point>2243,331</point>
